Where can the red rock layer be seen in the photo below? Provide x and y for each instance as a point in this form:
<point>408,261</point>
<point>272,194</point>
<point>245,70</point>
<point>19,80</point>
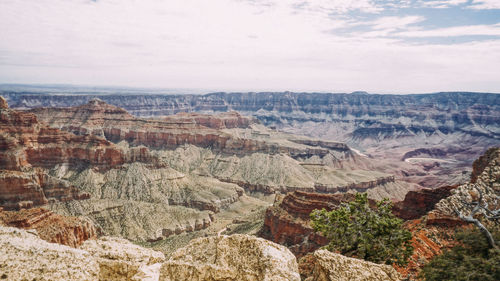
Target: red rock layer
<point>429,240</point>
<point>115,124</point>
<point>226,120</point>
<point>287,222</point>
<point>27,147</point>
<point>51,227</point>
<point>419,202</point>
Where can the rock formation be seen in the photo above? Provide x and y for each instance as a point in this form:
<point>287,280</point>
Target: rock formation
<point>485,179</point>
<point>419,202</point>
<point>24,256</point>
<point>429,239</point>
<point>28,148</point>
<point>328,266</point>
<point>236,257</point>
<point>119,259</point>
<point>287,221</point>
<point>3,103</point>
<point>51,227</point>
<point>115,124</point>
<point>441,132</point>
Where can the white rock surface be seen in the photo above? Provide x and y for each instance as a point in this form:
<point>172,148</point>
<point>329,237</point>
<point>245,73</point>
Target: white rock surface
<point>329,266</point>
<point>24,256</point>
<point>235,257</point>
<point>121,260</point>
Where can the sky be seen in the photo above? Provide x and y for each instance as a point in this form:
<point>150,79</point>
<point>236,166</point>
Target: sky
<point>379,46</point>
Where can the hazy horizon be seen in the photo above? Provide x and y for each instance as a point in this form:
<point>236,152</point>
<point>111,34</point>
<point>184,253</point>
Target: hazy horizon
<point>387,47</point>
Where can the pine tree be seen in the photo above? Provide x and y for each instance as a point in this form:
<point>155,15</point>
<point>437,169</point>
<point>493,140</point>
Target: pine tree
<point>373,234</point>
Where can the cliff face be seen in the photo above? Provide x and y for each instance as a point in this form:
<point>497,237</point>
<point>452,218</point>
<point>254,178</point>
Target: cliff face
<point>419,202</point>
<point>28,148</point>
<point>209,131</point>
<point>427,139</point>
<point>287,222</point>
<point>485,179</point>
<point>51,227</point>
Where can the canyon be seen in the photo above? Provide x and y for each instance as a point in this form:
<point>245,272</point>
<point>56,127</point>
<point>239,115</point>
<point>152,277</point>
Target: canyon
<point>99,162</point>
<point>174,173</point>
<point>426,139</point>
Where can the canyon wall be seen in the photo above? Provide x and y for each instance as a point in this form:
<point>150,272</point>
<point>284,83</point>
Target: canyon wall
<point>426,139</point>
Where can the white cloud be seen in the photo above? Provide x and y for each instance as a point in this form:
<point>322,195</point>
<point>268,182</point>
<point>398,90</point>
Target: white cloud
<point>229,45</point>
<point>441,4</point>
<point>468,30</point>
<point>485,4</point>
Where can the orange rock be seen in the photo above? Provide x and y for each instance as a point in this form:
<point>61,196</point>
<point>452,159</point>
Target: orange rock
<point>70,231</point>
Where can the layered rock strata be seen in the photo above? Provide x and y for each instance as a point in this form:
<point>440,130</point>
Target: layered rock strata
<point>28,148</point>
<point>287,221</point>
<point>419,202</point>
<point>115,124</point>
<point>51,227</point>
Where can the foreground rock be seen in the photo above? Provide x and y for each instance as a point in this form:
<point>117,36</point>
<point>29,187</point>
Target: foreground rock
<point>119,259</point>
<point>236,257</point>
<point>328,266</point>
<point>24,256</point>
<point>51,227</point>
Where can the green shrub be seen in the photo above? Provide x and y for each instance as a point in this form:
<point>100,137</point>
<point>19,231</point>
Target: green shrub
<point>373,234</point>
<point>472,259</point>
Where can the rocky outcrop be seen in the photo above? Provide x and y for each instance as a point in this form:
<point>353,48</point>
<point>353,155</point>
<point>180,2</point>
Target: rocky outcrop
<point>484,161</point>
<point>29,147</point>
<point>419,202</point>
<point>24,256</point>
<point>287,221</point>
<point>357,186</point>
<point>328,266</point>
<point>3,103</point>
<point>119,259</point>
<point>435,231</point>
<point>51,227</point>
<point>236,257</point>
<point>485,179</point>
<point>429,239</point>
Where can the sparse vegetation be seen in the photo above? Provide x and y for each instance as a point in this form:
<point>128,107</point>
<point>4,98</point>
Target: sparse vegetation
<point>357,230</point>
<point>472,259</point>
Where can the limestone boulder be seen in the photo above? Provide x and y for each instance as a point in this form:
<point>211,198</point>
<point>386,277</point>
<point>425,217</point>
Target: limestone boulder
<point>330,266</point>
<point>119,259</point>
<point>24,256</point>
<point>235,257</point>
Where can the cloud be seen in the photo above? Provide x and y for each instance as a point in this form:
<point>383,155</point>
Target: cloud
<point>469,30</point>
<point>485,4</point>
<point>441,4</point>
<point>239,45</point>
